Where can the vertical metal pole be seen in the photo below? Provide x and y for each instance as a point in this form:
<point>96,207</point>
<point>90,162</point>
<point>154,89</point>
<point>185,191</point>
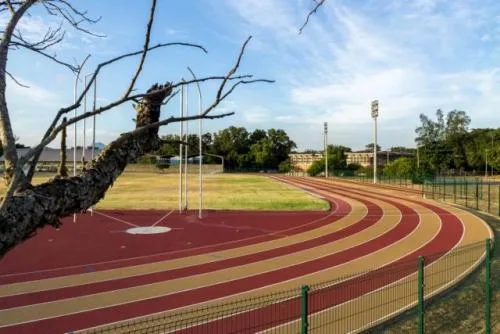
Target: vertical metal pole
<point>84,123</point>
<point>477,194</point>
<point>304,309</point>
<point>200,146</point>
<point>487,302</point>
<point>181,137</point>
<point>421,310</point>
<point>486,166</point>
<point>489,196</point>
<point>455,190</point>
<point>466,193</point>
<point>75,93</point>
<point>186,153</point>
<point>375,151</point>
<point>93,130</point>
<point>326,147</point>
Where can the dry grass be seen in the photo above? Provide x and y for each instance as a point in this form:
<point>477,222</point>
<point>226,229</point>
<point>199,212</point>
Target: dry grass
<point>138,189</point>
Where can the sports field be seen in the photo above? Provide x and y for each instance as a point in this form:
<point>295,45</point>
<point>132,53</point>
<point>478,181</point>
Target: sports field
<point>205,275</point>
<point>139,189</point>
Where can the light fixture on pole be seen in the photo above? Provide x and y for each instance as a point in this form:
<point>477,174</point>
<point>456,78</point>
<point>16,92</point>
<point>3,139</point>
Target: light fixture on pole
<point>326,147</point>
<point>374,116</point>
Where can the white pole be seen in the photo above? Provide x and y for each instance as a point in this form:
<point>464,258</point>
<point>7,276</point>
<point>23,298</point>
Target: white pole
<point>375,153</point>
<point>326,148</point>
<point>186,153</point>
<point>93,130</point>
<point>486,167</point>
<point>180,148</point>
<point>75,93</point>
<point>200,147</point>
<point>374,110</point>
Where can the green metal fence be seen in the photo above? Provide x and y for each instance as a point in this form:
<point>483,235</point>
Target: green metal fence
<point>476,193</point>
<point>358,302</point>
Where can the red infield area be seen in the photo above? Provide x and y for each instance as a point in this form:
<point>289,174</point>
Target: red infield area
<point>98,270</point>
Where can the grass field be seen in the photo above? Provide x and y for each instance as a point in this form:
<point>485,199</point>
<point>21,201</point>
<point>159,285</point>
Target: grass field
<point>151,190</point>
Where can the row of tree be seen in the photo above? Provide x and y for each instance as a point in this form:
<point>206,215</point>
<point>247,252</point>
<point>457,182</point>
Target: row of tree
<point>443,145</point>
<point>447,143</point>
<point>241,149</point>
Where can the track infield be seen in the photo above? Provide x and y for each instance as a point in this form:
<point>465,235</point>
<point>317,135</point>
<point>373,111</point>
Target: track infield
<point>92,272</point>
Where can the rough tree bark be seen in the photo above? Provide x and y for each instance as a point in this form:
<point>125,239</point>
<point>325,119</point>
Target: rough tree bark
<point>62,170</point>
<point>26,211</point>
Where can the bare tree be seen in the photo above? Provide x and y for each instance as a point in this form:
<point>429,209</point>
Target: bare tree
<point>25,207</point>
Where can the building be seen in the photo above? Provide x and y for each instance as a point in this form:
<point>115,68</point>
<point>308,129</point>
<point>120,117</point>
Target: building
<point>300,162</point>
<point>365,158</point>
<point>50,157</point>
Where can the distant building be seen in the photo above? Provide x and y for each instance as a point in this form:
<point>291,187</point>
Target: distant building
<point>300,162</point>
<point>365,158</point>
<point>50,157</point>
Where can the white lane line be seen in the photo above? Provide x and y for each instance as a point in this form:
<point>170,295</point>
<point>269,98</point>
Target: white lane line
<point>162,218</point>
<point>117,219</point>
<point>332,213</point>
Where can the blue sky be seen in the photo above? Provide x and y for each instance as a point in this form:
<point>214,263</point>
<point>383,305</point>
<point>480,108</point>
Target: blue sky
<point>414,56</point>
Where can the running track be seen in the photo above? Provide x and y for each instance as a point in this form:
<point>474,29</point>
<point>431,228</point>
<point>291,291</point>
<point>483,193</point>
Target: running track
<point>91,273</point>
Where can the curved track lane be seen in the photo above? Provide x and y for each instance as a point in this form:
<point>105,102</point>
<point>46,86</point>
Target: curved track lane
<point>381,229</point>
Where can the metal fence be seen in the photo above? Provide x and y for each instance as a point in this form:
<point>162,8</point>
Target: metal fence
<point>355,303</point>
<point>476,193</point>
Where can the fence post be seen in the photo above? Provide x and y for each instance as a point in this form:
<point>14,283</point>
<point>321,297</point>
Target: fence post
<point>477,194</point>
<point>487,303</point>
<point>455,190</point>
<point>304,309</point>
<point>466,193</point>
<point>489,197</point>
<point>420,295</point>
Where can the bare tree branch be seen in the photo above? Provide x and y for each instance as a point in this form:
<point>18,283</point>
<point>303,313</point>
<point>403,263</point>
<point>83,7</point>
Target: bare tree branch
<point>147,39</point>
<point>15,80</point>
<point>10,7</point>
<point>317,4</point>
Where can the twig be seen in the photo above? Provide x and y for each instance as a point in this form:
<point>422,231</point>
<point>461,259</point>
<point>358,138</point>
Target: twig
<point>318,3</point>
<point>15,80</point>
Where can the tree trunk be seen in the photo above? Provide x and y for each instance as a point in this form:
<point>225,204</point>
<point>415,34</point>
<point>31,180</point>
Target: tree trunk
<point>63,170</point>
<point>22,214</point>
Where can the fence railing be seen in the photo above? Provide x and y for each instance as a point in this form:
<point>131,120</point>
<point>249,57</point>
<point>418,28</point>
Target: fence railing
<point>353,303</point>
<point>476,193</point>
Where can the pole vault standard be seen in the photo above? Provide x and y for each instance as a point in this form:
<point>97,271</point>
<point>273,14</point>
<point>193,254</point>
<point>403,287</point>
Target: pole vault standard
<point>75,93</point>
<point>181,128</point>
<point>93,131</point>
<point>186,152</point>
<point>200,146</point>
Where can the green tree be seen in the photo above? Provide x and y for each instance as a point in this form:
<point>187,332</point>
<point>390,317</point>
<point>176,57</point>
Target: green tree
<point>369,147</point>
<point>401,167</point>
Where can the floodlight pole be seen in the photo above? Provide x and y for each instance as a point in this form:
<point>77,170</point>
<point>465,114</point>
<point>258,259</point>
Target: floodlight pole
<point>374,116</point>
<point>326,147</point>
